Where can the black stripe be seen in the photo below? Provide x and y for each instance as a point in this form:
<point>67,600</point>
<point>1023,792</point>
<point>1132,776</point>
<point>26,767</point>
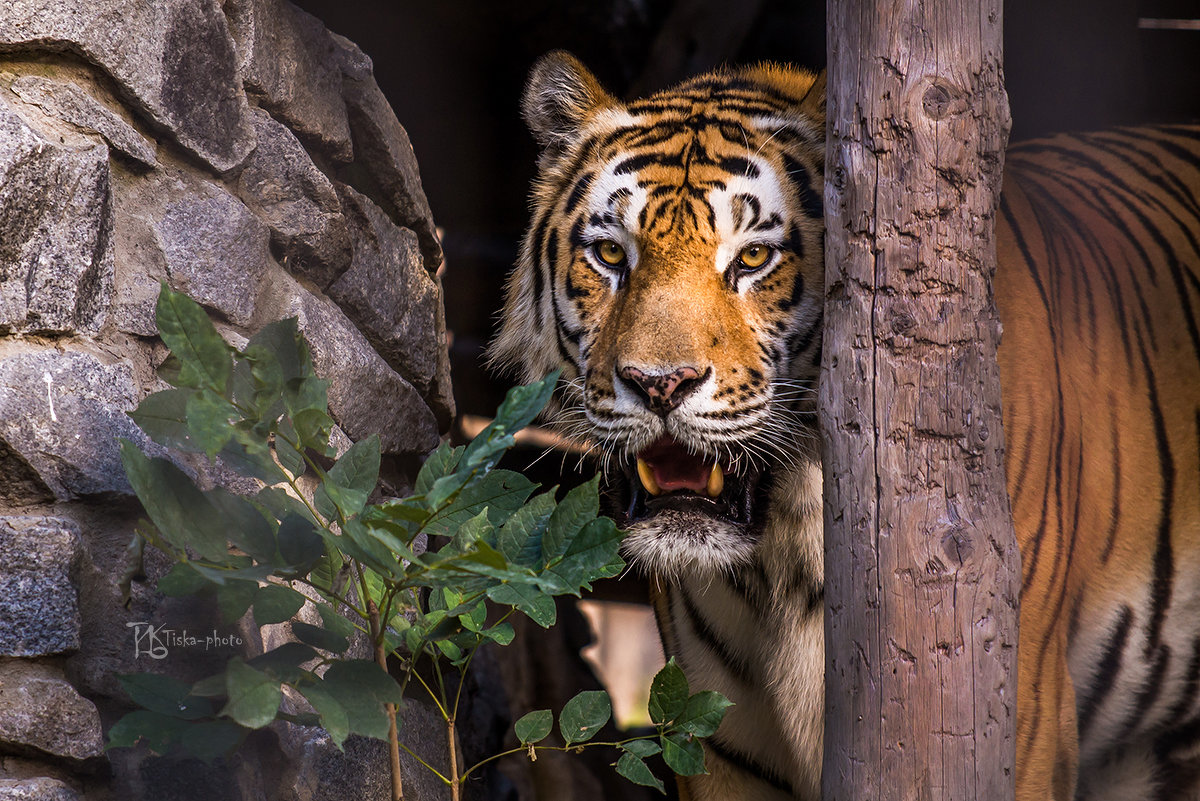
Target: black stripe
<point>1106,672</point>
<point>1191,686</point>
<point>1164,563</point>
<point>1148,693</point>
<point>1115,459</point>
<point>811,202</point>
<point>577,192</point>
<point>736,665</point>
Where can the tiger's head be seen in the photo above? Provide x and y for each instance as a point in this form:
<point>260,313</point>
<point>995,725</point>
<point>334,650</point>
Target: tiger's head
<point>674,269</point>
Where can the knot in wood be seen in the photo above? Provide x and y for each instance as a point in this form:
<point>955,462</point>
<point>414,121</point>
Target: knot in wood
<point>958,545</point>
<point>940,101</point>
<point>903,323</point>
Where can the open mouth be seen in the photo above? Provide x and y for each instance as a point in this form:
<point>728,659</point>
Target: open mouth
<point>666,476</point>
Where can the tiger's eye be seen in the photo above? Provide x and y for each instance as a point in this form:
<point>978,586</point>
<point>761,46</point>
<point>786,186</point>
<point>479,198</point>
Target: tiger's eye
<point>609,252</point>
<point>752,257</point>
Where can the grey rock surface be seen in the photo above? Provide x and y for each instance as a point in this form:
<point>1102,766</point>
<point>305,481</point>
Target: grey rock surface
<point>175,61</point>
<point>388,293</point>
<point>44,713</point>
<point>215,249</point>
<point>365,395</point>
<point>289,61</point>
<point>56,259</point>
<point>71,105</point>
<point>322,773</point>
<point>297,201</point>
<point>383,149</point>
<point>39,604</point>
<point>62,413</point>
<point>42,789</point>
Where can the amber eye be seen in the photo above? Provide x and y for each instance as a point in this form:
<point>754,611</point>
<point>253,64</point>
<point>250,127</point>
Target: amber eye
<point>609,252</point>
<point>752,257</point>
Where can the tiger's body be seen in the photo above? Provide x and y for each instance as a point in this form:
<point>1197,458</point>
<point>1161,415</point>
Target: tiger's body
<point>674,270</point>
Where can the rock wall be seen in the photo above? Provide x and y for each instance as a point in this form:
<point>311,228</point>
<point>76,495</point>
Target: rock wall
<point>242,153</point>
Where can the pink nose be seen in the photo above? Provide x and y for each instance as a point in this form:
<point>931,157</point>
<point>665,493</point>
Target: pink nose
<point>662,392</point>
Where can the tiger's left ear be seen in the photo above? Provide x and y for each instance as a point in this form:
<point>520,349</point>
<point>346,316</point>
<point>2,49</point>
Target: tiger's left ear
<point>813,103</point>
<point>559,96</point>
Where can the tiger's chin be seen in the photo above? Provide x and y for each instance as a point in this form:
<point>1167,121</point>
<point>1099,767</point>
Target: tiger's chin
<point>684,514</point>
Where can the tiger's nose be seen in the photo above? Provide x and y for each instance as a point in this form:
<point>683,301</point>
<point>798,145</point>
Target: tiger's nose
<point>662,392</point>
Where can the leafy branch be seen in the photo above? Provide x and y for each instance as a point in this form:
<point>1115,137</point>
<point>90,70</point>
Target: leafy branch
<point>309,546</point>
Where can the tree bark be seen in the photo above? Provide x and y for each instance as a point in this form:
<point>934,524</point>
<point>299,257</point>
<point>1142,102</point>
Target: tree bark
<point>922,568</point>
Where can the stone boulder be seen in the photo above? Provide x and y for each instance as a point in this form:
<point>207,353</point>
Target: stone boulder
<point>291,194</point>
<point>174,61</point>
<point>61,414</point>
<point>56,259</point>
<point>44,714</point>
<point>41,789</point>
<point>39,604</point>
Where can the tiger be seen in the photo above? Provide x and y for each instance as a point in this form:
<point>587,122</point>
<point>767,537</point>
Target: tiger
<point>673,270</point>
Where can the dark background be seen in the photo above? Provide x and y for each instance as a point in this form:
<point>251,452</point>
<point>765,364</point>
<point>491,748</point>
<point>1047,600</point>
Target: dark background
<point>454,72</point>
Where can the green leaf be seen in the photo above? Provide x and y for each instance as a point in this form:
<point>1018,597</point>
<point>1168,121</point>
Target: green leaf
<point>211,739</point>
<point>283,663</point>
<point>634,769</point>
<point>522,404</point>
<point>642,748</point>
<point>300,543</point>
<point>533,602</point>
<point>501,492</point>
<point>683,754</point>
<point>668,693</point>
<point>182,580</point>
<point>584,715</point>
<point>158,730</point>
<point>163,416</point>
<point>580,506</point>
<point>253,696</point>
<point>211,420</point>
<point>234,598</point>
<point>165,695</point>
<point>586,559</point>
<point>520,540</point>
<point>181,512</point>
<point>449,650</point>
<point>501,633</point>
<point>335,622</point>
<point>275,603</point>
<point>283,341</point>
<point>469,533</point>
<point>279,503</point>
<point>312,428</point>
<point>204,358</point>
<point>291,459</point>
<point>248,453</point>
<point>358,471</point>
<point>361,687</point>
<point>246,526</point>
<point>333,715</point>
<point>535,726</point>
<point>702,714</point>
<point>319,637</point>
<point>267,375</point>
<point>442,462</point>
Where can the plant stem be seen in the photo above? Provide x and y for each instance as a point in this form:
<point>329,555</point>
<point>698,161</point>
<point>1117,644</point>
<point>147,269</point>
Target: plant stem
<point>455,782</point>
<point>393,729</point>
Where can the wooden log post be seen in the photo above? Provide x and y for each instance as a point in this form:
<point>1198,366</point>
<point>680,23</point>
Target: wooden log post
<point>922,568</point>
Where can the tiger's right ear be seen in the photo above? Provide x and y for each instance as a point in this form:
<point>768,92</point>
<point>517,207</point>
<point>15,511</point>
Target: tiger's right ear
<point>559,96</point>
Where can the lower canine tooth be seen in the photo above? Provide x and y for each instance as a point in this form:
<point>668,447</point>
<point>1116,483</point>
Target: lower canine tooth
<point>647,477</point>
<point>716,481</point>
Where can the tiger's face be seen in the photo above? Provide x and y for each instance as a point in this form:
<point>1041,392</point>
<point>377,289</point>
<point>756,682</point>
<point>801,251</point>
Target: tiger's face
<point>673,269</point>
